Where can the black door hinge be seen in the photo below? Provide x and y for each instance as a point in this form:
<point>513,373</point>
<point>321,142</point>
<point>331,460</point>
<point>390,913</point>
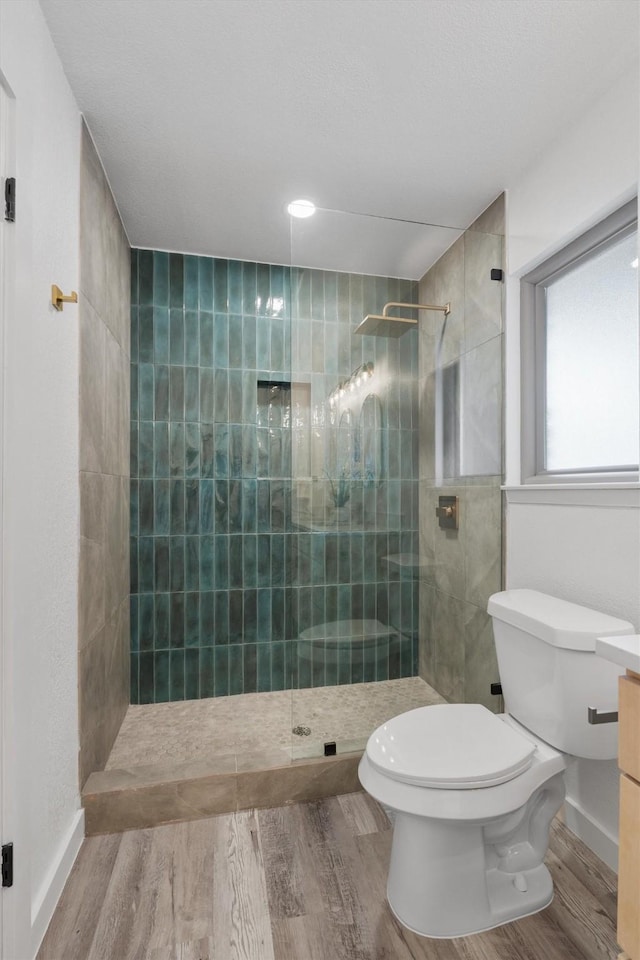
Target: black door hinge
<point>10,199</point>
<point>7,864</point>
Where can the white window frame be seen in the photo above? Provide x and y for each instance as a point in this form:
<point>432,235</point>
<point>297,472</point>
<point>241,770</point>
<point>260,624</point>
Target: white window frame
<point>533,351</point>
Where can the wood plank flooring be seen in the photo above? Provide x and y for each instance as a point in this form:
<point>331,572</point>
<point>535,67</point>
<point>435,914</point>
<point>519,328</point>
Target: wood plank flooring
<point>301,882</point>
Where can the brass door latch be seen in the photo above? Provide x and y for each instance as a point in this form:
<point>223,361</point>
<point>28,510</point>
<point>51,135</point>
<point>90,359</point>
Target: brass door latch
<point>447,513</point>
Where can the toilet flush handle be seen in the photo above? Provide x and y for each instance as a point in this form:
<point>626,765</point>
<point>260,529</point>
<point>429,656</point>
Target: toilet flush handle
<point>601,716</point>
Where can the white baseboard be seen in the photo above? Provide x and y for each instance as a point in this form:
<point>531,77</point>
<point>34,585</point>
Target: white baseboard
<point>45,900</point>
<point>603,843</point>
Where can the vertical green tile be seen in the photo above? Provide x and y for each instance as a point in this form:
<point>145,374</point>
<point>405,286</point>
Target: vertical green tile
<point>161,392</point>
<point>264,615</point>
<point>192,620</point>
<point>192,507</point>
<point>145,278</point>
<point>135,392</point>
<point>279,679</point>
<point>191,338</point>
<point>344,663</point>
<point>145,334</point>
<point>205,283</point>
<point>160,335</point>
<point>133,620</point>
<point>221,614</point>
<point>177,507</point>
<point>134,275</point>
<point>134,680</point>
<point>249,561</point>
<point>177,619</point>
<point>249,288</point>
<point>206,619</point>
<point>146,675</point>
<point>234,279</point>
<point>176,671</point>
<point>161,564</point>
<point>145,564</point>
<point>161,449</point>
<point>133,564</point>
<point>249,615</point>
<point>222,562</point>
<point>263,667</point>
<point>161,677</point>
<point>160,278</point>
<point>207,555</point>
<point>236,612</point>
<point>221,396</point>
<point>176,335</point>
<point>206,445</point>
<point>176,280</point>
<point>205,671</point>
<point>221,341</point>
<point>249,668</point>
<point>220,285</point>
<point>192,563</point>
<point>191,394</point>
<point>192,449</point>
<point>263,289</point>
<point>221,671</point>
<point>176,393</point>
<point>146,624</point>
<point>206,340</point>
<point>145,507</point>
<point>236,679</point>
<point>191,298</point>
<point>146,391</point>
<point>162,621</point>
<point>177,550</point>
<point>192,674</point>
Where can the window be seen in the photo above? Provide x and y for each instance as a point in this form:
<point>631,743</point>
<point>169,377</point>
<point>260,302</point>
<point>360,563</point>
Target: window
<point>580,362</point>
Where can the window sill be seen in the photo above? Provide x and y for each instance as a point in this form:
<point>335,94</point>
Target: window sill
<point>622,494</point>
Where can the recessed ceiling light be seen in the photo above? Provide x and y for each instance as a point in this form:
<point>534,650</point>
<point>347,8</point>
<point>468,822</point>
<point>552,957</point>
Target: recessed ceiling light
<point>301,208</point>
<point>634,263</point>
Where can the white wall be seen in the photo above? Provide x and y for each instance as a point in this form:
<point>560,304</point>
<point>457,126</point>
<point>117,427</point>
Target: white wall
<point>582,546</point>
<point>41,509</point>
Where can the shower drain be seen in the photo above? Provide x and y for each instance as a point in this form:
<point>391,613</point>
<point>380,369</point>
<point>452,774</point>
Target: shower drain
<point>302,731</point>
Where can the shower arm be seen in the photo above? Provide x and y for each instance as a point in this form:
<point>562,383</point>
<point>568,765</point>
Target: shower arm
<point>446,309</point>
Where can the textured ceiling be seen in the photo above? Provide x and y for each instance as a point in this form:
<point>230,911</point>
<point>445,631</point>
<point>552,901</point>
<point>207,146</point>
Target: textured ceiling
<point>209,115</point>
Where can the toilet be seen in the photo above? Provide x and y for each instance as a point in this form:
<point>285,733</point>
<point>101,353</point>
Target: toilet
<point>472,794</point>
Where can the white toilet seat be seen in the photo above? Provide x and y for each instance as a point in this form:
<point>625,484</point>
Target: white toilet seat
<point>464,804</point>
<point>450,747</point>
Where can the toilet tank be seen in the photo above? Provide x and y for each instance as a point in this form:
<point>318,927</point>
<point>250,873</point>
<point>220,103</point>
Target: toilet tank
<point>550,673</point>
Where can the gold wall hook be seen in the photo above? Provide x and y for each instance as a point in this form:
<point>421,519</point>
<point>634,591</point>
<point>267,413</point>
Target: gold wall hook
<point>58,299</point>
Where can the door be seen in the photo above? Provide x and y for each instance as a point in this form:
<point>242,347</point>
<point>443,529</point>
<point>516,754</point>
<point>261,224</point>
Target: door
<point>7,145</point>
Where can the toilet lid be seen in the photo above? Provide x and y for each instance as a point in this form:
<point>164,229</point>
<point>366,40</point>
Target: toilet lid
<point>452,746</point>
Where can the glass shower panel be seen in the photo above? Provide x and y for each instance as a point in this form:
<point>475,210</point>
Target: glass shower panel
<point>355,471</point>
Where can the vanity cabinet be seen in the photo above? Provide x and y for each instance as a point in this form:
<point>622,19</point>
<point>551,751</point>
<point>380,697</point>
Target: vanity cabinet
<point>629,851</point>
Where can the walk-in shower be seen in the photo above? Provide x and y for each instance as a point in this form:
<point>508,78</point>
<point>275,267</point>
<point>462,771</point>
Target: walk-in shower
<point>283,472</point>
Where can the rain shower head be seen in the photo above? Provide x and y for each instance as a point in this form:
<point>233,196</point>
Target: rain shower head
<point>382,325</point>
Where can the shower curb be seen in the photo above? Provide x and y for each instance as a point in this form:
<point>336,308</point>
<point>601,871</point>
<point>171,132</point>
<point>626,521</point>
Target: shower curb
<point>119,800</point>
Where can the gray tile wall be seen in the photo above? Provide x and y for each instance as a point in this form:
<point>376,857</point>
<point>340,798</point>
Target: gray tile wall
<point>461,454</point>
<point>103,592</point>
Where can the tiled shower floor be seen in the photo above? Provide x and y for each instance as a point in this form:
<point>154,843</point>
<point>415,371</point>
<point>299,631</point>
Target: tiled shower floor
<point>256,728</point>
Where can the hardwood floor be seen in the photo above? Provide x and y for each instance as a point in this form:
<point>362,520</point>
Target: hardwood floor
<point>302,882</point>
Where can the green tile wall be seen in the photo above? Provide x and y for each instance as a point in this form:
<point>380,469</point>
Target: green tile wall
<point>223,581</point>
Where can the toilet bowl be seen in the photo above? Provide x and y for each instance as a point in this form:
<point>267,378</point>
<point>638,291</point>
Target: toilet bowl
<point>472,794</point>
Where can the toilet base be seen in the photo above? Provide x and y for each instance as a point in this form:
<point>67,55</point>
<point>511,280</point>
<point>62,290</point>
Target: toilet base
<point>452,879</point>
<point>517,915</point>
